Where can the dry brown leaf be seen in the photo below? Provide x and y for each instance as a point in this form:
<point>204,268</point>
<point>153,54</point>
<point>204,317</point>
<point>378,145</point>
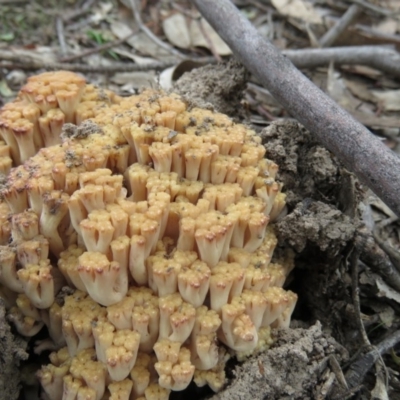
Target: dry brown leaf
<point>131,81</point>
<point>140,42</point>
<point>137,59</point>
<point>385,290</point>
<point>337,89</point>
<point>390,99</point>
<point>379,392</point>
<point>388,25</point>
<point>176,30</point>
<point>360,91</point>
<point>198,39</point>
<point>299,9</point>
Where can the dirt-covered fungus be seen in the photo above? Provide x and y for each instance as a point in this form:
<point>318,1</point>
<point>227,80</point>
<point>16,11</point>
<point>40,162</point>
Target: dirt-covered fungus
<point>157,217</point>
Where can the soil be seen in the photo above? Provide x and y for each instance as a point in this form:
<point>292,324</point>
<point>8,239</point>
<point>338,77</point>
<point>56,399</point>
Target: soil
<point>292,369</point>
<point>12,352</point>
<point>215,87</point>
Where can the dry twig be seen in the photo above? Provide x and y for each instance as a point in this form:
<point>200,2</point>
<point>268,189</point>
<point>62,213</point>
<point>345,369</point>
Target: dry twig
<point>372,255</point>
<point>381,58</point>
<point>393,255</point>
<point>371,33</point>
<point>354,258</point>
<point>379,363</point>
<point>61,36</point>
<point>376,9</point>
<point>341,25</point>
<point>98,49</point>
<point>349,140</point>
<point>84,68</point>
<point>12,59</point>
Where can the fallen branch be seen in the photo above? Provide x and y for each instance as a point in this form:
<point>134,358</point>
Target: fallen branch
<point>381,58</point>
<point>378,57</point>
<point>23,60</point>
<point>358,149</point>
<point>85,68</point>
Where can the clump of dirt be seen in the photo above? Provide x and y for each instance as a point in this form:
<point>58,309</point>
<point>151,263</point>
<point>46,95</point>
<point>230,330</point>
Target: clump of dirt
<point>12,352</point>
<point>307,169</point>
<point>321,221</point>
<point>316,223</point>
<point>292,369</point>
<point>215,87</point>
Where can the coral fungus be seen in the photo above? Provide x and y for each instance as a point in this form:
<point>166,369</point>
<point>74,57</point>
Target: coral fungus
<point>157,216</point>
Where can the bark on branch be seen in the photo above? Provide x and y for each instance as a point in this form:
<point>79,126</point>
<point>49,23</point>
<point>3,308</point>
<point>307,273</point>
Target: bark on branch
<point>358,149</point>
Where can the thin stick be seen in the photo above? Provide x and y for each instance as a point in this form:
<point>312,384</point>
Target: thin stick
<point>372,7</point>
<point>375,34</point>
<point>149,33</point>
<point>98,49</point>
<point>382,58</point>
<point>358,149</point>
<point>84,68</point>
<point>354,257</point>
<point>341,25</point>
<point>61,36</point>
<point>372,255</point>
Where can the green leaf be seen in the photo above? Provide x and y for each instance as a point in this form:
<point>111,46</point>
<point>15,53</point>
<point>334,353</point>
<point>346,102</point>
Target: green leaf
<point>5,91</point>
<point>7,37</point>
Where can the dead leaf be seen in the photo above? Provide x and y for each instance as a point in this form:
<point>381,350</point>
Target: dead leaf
<point>299,9</point>
<point>360,91</point>
<point>166,78</point>
<point>379,392</point>
<point>388,25</point>
<point>131,81</point>
<point>385,290</point>
<point>140,42</point>
<point>137,59</point>
<point>374,121</point>
<point>362,70</point>
<point>176,30</point>
<point>336,87</point>
<point>5,91</point>
<point>390,99</point>
<point>101,12</point>
<point>198,39</point>
<point>121,30</point>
